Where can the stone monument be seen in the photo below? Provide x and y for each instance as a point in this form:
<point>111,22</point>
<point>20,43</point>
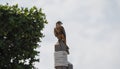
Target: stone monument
<point>60,57</point>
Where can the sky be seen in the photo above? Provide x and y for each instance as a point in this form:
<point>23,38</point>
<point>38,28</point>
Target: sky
<point>92,28</point>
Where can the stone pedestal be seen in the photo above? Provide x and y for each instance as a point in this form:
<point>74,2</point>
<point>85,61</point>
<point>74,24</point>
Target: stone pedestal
<point>60,56</point>
<point>61,67</point>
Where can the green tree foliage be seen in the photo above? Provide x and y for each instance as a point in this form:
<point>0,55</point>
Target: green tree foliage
<point>20,32</point>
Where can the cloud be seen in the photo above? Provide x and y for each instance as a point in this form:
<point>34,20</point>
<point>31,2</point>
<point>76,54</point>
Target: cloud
<point>92,29</point>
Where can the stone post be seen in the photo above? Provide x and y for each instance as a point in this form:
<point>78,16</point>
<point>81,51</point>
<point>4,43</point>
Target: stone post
<point>60,56</point>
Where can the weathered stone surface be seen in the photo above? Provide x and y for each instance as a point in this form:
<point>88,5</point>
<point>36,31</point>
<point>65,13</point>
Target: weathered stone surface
<point>61,58</point>
<point>70,66</point>
<point>61,67</point>
<point>60,46</point>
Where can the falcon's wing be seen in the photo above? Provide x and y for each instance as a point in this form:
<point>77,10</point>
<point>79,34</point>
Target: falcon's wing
<point>63,31</point>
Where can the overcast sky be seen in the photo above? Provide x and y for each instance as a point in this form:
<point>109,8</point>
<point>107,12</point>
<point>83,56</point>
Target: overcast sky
<point>92,27</point>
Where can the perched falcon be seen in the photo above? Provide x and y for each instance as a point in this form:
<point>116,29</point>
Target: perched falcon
<point>60,32</point>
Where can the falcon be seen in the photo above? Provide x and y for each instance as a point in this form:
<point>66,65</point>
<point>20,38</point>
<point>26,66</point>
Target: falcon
<point>60,32</point>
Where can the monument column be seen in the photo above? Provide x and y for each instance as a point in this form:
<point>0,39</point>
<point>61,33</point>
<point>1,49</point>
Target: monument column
<point>60,56</point>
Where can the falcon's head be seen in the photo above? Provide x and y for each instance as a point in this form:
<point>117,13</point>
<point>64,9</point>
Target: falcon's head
<point>58,23</point>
